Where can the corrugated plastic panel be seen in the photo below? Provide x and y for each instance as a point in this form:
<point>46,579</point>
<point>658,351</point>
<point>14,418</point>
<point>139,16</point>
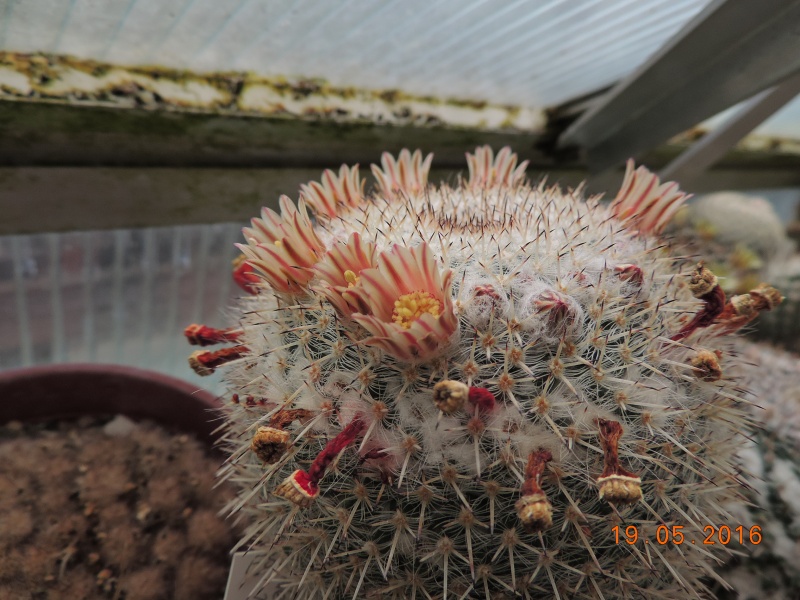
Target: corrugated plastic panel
<point>534,53</point>
<point>122,296</point>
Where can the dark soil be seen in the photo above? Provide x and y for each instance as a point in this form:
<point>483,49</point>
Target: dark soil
<point>104,508</point>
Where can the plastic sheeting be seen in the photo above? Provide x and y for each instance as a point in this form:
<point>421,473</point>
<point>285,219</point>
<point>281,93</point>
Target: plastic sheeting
<point>121,296</point>
<point>533,53</point>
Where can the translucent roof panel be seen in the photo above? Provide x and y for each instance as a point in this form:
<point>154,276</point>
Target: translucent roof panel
<point>534,53</point>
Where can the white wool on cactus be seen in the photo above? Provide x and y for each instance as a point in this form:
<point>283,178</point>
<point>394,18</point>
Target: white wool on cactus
<point>481,391</point>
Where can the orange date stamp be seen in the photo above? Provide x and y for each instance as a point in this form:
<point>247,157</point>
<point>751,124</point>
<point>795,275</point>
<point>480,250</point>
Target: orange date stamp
<point>722,534</point>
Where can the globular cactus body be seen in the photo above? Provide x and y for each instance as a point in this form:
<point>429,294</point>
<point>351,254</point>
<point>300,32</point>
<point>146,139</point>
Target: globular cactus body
<point>459,392</point>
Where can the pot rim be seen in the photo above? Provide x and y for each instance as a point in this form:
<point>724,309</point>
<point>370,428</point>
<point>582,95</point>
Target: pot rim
<point>71,390</point>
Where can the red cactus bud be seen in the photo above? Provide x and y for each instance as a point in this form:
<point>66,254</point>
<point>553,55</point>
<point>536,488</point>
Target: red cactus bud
<point>555,305</point>
<point>244,275</point>
<point>486,290</point>
<point>628,272</point>
<point>482,398</point>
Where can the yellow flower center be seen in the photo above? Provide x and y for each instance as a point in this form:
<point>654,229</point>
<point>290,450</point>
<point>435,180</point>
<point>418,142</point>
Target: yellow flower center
<point>410,307</point>
<point>351,278</point>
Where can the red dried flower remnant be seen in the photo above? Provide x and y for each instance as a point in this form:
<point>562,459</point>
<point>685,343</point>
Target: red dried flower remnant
<point>742,309</point>
<point>616,484</point>
<point>482,398</point>
<point>302,488</point>
<point>704,286</point>
<point>533,508</point>
<point>203,362</point>
<point>202,335</point>
<point>449,396</point>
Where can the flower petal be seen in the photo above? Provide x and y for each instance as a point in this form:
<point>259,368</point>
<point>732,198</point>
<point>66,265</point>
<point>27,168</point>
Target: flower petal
<point>333,192</point>
<point>644,202</point>
<point>409,305</point>
<point>486,171</point>
<point>283,248</point>
<point>407,174</point>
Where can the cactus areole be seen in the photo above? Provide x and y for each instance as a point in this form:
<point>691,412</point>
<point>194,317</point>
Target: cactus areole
<point>459,392</point>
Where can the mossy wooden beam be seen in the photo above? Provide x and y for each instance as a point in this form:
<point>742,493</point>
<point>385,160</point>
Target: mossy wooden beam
<point>59,110</point>
<point>54,133</point>
<point>87,145</point>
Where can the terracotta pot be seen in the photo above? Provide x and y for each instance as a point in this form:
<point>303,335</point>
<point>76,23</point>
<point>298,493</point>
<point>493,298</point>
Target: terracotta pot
<point>68,391</point>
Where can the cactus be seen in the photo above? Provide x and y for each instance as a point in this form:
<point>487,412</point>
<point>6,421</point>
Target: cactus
<point>744,242</point>
<point>771,460</point>
<point>781,326</point>
<point>478,391</point>
<point>740,236</point>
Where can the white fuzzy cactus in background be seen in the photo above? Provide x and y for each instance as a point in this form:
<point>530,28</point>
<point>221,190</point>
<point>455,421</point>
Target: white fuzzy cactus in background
<point>740,236</point>
<point>771,459</point>
<point>472,392</point>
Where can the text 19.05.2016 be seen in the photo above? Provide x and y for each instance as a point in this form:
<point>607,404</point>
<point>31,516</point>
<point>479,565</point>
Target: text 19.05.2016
<point>722,534</point>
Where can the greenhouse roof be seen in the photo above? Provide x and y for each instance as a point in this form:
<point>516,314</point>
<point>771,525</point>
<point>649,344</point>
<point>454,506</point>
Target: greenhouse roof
<point>532,53</point>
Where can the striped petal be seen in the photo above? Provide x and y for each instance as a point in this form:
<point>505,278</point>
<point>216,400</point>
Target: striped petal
<point>407,174</point>
<point>333,192</point>
<point>339,271</point>
<point>487,171</point>
<point>644,203</point>
<point>284,247</point>
<point>410,309</point>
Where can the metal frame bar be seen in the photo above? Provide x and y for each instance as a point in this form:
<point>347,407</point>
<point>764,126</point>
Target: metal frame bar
<point>714,145</point>
<point>731,51</point>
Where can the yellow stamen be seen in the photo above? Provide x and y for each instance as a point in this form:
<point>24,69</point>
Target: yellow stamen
<point>278,243</point>
<point>351,278</point>
<point>410,307</point>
